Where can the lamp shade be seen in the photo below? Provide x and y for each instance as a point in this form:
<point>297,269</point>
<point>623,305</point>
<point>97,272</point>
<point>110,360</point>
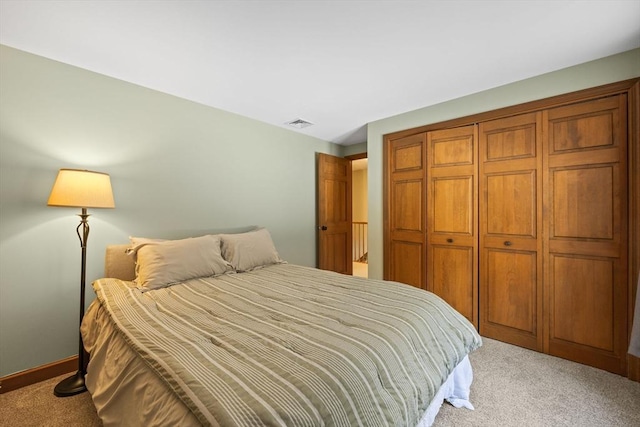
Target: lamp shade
<point>81,189</point>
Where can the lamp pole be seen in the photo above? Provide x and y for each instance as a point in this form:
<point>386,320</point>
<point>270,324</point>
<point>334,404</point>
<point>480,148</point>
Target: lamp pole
<point>75,384</point>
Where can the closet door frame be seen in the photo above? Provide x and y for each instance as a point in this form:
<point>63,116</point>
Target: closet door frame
<point>630,87</point>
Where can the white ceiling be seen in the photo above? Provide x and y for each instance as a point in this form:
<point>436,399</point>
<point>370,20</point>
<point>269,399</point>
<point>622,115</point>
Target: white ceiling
<point>338,64</point>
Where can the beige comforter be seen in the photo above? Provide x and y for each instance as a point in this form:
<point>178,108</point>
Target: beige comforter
<point>296,346</point>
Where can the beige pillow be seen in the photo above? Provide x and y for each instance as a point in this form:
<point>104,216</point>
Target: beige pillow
<point>138,242</point>
<point>160,264</point>
<point>248,251</point>
<point>135,241</point>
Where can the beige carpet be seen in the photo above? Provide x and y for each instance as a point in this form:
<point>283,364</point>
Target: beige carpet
<point>36,405</point>
<point>518,387</point>
<point>512,387</point>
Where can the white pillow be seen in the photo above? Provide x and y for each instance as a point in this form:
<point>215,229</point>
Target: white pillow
<point>162,263</point>
<point>251,250</point>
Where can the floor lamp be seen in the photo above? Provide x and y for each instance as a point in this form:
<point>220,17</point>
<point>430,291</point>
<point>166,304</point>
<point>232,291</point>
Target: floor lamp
<point>80,189</point>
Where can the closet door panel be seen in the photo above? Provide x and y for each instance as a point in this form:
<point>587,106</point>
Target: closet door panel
<point>453,205</point>
<point>452,147</point>
<point>583,287</point>
<point>583,203</point>
<point>407,197</point>
<point>510,204</point>
<point>405,216</point>
<point>407,263</point>
<point>590,125</point>
<point>586,279</point>
<point>511,291</point>
<point>519,141</point>
<point>452,230</point>
<point>452,274</point>
<point>407,155</point>
<point>510,223</point>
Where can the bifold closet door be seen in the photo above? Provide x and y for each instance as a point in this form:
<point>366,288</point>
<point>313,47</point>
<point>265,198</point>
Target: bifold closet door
<point>586,222</point>
<point>405,253</point>
<point>452,212</point>
<point>510,230</point>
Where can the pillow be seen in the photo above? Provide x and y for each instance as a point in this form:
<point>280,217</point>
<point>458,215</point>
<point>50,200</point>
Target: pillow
<point>135,241</point>
<point>138,242</point>
<point>160,264</point>
<point>251,250</point>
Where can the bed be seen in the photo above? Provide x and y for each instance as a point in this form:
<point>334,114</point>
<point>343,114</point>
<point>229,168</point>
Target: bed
<point>218,330</point>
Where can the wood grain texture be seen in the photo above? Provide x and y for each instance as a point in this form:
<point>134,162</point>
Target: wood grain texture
<point>510,222</point>
<point>587,232</point>
<point>334,213</point>
<point>584,169</point>
<point>404,213</point>
<point>453,277</point>
<point>37,374</point>
<point>452,218</point>
<point>633,150</point>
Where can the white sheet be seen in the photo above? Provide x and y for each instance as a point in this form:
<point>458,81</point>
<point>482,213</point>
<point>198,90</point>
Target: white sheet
<point>455,390</point>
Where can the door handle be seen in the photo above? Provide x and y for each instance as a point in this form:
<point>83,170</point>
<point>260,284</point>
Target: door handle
<point>322,227</point>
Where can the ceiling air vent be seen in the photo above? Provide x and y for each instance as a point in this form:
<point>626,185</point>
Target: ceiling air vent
<point>299,123</point>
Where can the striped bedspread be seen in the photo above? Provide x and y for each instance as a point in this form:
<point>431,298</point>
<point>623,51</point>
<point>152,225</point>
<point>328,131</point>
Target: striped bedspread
<point>295,346</point>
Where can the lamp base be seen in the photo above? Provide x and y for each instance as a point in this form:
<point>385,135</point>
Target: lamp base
<point>71,386</point>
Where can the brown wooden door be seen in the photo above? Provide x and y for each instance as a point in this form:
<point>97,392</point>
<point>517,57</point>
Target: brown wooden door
<point>510,230</point>
<point>452,227</point>
<point>586,264</point>
<point>334,213</point>
<point>405,218</point>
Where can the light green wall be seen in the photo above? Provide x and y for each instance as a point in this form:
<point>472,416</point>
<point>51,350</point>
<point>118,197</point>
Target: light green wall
<point>349,150</point>
<point>177,169</point>
<point>607,70</point>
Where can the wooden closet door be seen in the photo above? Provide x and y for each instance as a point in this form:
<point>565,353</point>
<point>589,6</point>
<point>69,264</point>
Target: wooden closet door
<point>510,230</point>
<point>405,251</point>
<point>586,202</point>
<point>452,229</point>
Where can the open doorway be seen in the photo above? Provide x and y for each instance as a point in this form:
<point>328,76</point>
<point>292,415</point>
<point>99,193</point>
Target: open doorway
<point>360,224</point>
